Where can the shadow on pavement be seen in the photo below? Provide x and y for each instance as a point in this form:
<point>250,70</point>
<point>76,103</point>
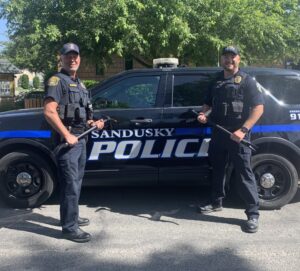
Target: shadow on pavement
<point>157,204</point>
<point>34,223</point>
<point>26,220</point>
<point>178,258</point>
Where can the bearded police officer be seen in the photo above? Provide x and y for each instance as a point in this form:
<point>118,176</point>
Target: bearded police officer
<point>68,110</point>
<point>236,104</point>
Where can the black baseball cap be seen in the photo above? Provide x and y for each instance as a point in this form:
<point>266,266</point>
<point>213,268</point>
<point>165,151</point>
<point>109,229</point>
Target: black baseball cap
<point>69,47</point>
<point>230,49</point>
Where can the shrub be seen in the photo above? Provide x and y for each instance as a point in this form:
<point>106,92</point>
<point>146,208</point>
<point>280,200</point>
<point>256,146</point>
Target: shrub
<point>36,82</point>
<point>90,83</point>
<point>24,81</point>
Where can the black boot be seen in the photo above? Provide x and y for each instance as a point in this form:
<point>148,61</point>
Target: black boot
<point>251,225</point>
<point>78,236</point>
<point>210,208</point>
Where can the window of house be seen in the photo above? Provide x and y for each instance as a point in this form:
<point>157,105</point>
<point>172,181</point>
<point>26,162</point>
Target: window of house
<point>5,88</point>
<point>128,63</point>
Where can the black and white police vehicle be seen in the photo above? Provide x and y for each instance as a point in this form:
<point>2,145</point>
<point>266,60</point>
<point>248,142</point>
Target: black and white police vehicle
<point>157,140</point>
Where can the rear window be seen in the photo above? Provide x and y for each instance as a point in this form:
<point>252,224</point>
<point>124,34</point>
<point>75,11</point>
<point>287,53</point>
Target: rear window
<point>284,88</point>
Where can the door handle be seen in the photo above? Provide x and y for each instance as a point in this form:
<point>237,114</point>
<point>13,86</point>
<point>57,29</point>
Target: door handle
<point>141,120</point>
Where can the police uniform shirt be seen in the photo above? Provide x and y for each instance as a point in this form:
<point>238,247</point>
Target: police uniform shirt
<point>232,98</point>
<point>65,90</point>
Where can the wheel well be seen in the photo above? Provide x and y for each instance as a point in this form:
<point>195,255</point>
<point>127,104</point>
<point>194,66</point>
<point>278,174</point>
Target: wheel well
<point>281,150</point>
<point>272,148</point>
<point>18,147</point>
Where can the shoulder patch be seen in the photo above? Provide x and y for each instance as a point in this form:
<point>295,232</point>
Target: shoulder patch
<point>53,81</point>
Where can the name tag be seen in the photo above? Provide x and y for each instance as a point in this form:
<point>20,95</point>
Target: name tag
<point>72,85</point>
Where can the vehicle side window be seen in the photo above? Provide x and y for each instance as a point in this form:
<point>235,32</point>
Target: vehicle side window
<point>132,92</point>
<point>284,88</point>
<point>190,90</point>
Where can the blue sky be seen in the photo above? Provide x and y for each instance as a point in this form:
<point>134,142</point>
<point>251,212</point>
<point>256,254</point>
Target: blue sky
<point>3,34</point>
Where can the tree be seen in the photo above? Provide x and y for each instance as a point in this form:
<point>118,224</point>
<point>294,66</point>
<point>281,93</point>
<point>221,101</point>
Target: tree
<point>264,30</point>
<point>24,81</point>
<point>36,82</point>
<point>193,30</point>
<point>39,28</point>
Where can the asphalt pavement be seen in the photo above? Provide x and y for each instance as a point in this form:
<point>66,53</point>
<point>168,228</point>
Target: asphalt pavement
<point>150,229</point>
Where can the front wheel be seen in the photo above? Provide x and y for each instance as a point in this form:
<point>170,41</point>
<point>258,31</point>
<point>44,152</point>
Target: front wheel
<point>277,180</point>
<point>26,180</point>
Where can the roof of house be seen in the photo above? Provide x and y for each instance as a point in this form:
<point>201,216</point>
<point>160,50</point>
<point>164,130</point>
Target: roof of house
<point>7,67</point>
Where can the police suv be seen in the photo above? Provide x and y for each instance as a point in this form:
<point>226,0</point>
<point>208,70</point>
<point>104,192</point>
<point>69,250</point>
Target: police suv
<point>156,139</point>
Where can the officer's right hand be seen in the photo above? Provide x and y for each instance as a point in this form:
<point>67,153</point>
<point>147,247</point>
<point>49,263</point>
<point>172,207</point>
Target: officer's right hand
<point>202,118</point>
<point>71,140</point>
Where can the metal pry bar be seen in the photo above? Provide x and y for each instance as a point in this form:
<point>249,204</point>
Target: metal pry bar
<point>243,141</point>
<point>65,144</point>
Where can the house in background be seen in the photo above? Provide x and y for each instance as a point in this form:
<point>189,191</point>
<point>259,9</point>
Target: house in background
<point>30,75</point>
<point>7,84</point>
<point>8,74</point>
<point>91,71</point>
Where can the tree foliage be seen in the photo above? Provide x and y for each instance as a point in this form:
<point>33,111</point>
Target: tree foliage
<point>192,30</point>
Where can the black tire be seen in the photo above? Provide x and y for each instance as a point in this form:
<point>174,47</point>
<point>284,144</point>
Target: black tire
<point>26,180</point>
<point>277,180</point>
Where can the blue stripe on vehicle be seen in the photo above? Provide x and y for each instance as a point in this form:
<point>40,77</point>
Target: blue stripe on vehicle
<point>25,134</point>
<point>255,129</point>
<point>276,128</point>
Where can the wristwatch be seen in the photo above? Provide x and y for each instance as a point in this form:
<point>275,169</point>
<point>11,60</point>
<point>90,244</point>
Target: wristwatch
<point>244,129</point>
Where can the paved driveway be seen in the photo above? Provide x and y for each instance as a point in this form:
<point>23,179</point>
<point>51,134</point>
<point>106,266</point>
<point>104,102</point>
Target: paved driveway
<point>150,229</point>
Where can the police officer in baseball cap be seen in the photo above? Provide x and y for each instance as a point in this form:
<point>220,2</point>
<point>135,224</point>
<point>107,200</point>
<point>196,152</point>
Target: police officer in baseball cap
<point>67,108</point>
<point>69,47</point>
<point>230,50</point>
<point>236,104</point>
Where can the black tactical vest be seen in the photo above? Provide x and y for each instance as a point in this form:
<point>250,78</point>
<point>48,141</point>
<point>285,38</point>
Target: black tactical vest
<point>228,100</point>
<point>75,107</point>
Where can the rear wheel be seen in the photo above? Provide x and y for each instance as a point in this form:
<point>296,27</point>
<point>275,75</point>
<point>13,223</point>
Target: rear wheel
<point>26,180</point>
<point>277,180</point>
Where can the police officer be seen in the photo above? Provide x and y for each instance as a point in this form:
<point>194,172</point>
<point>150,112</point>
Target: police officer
<point>68,110</point>
<point>236,104</point>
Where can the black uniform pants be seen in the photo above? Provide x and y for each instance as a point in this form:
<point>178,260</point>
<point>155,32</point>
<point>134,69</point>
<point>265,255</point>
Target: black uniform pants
<point>71,163</point>
<point>222,148</point>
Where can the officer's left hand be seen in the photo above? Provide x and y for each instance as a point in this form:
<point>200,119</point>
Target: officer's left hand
<point>98,123</point>
<point>237,136</point>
